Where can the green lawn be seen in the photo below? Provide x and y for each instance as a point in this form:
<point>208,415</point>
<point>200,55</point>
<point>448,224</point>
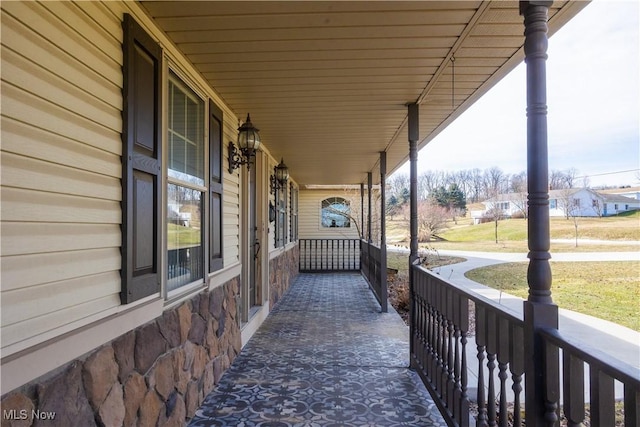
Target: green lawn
<point>608,290</point>
<point>181,237</point>
<point>512,234</point>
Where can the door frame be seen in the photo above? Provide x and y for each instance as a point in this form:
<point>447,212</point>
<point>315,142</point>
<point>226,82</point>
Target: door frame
<point>247,248</point>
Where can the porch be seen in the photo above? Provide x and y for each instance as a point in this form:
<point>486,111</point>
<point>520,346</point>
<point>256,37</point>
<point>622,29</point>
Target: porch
<point>325,355</point>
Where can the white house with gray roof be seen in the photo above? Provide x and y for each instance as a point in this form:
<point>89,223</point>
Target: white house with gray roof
<point>581,202</point>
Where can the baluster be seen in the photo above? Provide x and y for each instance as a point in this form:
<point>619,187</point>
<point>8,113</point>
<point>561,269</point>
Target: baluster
<point>442,348</point>
<point>464,398</point>
<point>437,351</point>
<point>430,337</point>
<point>457,386</point>
<point>602,398</point>
<point>502,374</point>
<point>573,388</point>
<point>482,403</point>
<point>444,371</point>
<point>433,339</point>
<point>463,322</point>
<point>444,374</point>
<point>491,396</point>
<point>552,385</point>
<point>433,335</point>
<point>517,390</point>
<point>516,364</point>
<point>451,384</point>
<point>491,333</point>
<point>481,340</point>
<point>503,360</point>
<point>631,405</point>
<point>426,324</point>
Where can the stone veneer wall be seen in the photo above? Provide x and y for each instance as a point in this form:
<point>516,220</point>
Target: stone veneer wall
<point>283,269</point>
<point>157,374</point>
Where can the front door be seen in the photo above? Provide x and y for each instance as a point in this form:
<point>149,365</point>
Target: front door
<point>251,290</point>
<point>254,242</point>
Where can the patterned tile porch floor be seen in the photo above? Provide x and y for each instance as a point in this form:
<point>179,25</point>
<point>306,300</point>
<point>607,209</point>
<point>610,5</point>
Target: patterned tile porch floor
<point>325,356</point>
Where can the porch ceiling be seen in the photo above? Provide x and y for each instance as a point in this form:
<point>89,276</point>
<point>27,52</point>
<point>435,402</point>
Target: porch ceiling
<point>327,82</point>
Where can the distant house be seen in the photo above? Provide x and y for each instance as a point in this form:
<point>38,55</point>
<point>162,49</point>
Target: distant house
<point>631,192</point>
<point>614,204</point>
<point>582,202</point>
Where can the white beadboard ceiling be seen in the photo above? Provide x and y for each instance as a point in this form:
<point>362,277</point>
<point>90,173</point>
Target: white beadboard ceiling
<point>327,83</point>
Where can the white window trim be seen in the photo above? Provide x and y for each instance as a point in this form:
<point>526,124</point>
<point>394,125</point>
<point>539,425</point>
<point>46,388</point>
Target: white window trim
<point>170,297</point>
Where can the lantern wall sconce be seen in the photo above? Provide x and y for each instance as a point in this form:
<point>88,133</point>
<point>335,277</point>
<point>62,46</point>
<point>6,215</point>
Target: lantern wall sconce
<point>278,180</point>
<point>248,141</point>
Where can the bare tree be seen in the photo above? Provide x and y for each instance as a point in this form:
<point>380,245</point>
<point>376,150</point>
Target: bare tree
<point>597,206</point>
<point>464,182</point>
<point>430,181</point>
<point>424,188</point>
<point>494,181</point>
<point>396,183</point>
<point>565,201</point>
<point>432,219</point>
<point>559,180</point>
<point>495,214</point>
<point>570,177</point>
<point>477,183</point>
<point>556,180</point>
<point>574,212</point>
<point>518,192</point>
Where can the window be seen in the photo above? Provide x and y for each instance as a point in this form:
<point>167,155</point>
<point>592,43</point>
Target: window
<point>141,160</point>
<point>615,206</point>
<point>336,212</point>
<point>293,212</point>
<point>576,203</point>
<point>553,203</point>
<point>189,212</point>
<point>281,217</point>
<point>186,185</point>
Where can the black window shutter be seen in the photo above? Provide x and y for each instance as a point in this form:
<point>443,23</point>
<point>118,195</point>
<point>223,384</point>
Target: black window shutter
<point>215,188</point>
<point>141,163</point>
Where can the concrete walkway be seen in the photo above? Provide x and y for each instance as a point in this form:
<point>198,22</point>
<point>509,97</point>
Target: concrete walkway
<point>618,341</point>
<point>325,356</point>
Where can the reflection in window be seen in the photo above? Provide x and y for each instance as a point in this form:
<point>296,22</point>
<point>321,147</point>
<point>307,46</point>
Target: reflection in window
<point>336,213</point>
<point>186,129</point>
<point>185,189</point>
<point>184,236</point>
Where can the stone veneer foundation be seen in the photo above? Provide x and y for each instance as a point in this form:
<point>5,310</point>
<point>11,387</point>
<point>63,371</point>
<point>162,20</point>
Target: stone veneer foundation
<point>157,374</point>
<point>283,269</point>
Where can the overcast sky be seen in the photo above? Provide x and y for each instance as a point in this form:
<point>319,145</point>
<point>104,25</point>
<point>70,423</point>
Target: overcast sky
<point>593,97</point>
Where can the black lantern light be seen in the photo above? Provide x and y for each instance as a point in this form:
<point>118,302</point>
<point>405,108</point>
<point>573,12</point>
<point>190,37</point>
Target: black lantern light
<point>248,141</point>
<point>279,178</point>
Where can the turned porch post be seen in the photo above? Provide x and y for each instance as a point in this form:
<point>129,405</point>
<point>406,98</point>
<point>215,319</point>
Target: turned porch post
<point>383,233</point>
<point>369,186</point>
<point>413,217</point>
<point>541,391</point>
<point>362,210</point>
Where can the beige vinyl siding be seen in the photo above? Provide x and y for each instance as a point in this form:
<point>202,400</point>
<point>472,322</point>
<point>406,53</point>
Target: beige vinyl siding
<point>309,207</point>
<point>231,196</point>
<point>61,165</point>
<point>61,124</point>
